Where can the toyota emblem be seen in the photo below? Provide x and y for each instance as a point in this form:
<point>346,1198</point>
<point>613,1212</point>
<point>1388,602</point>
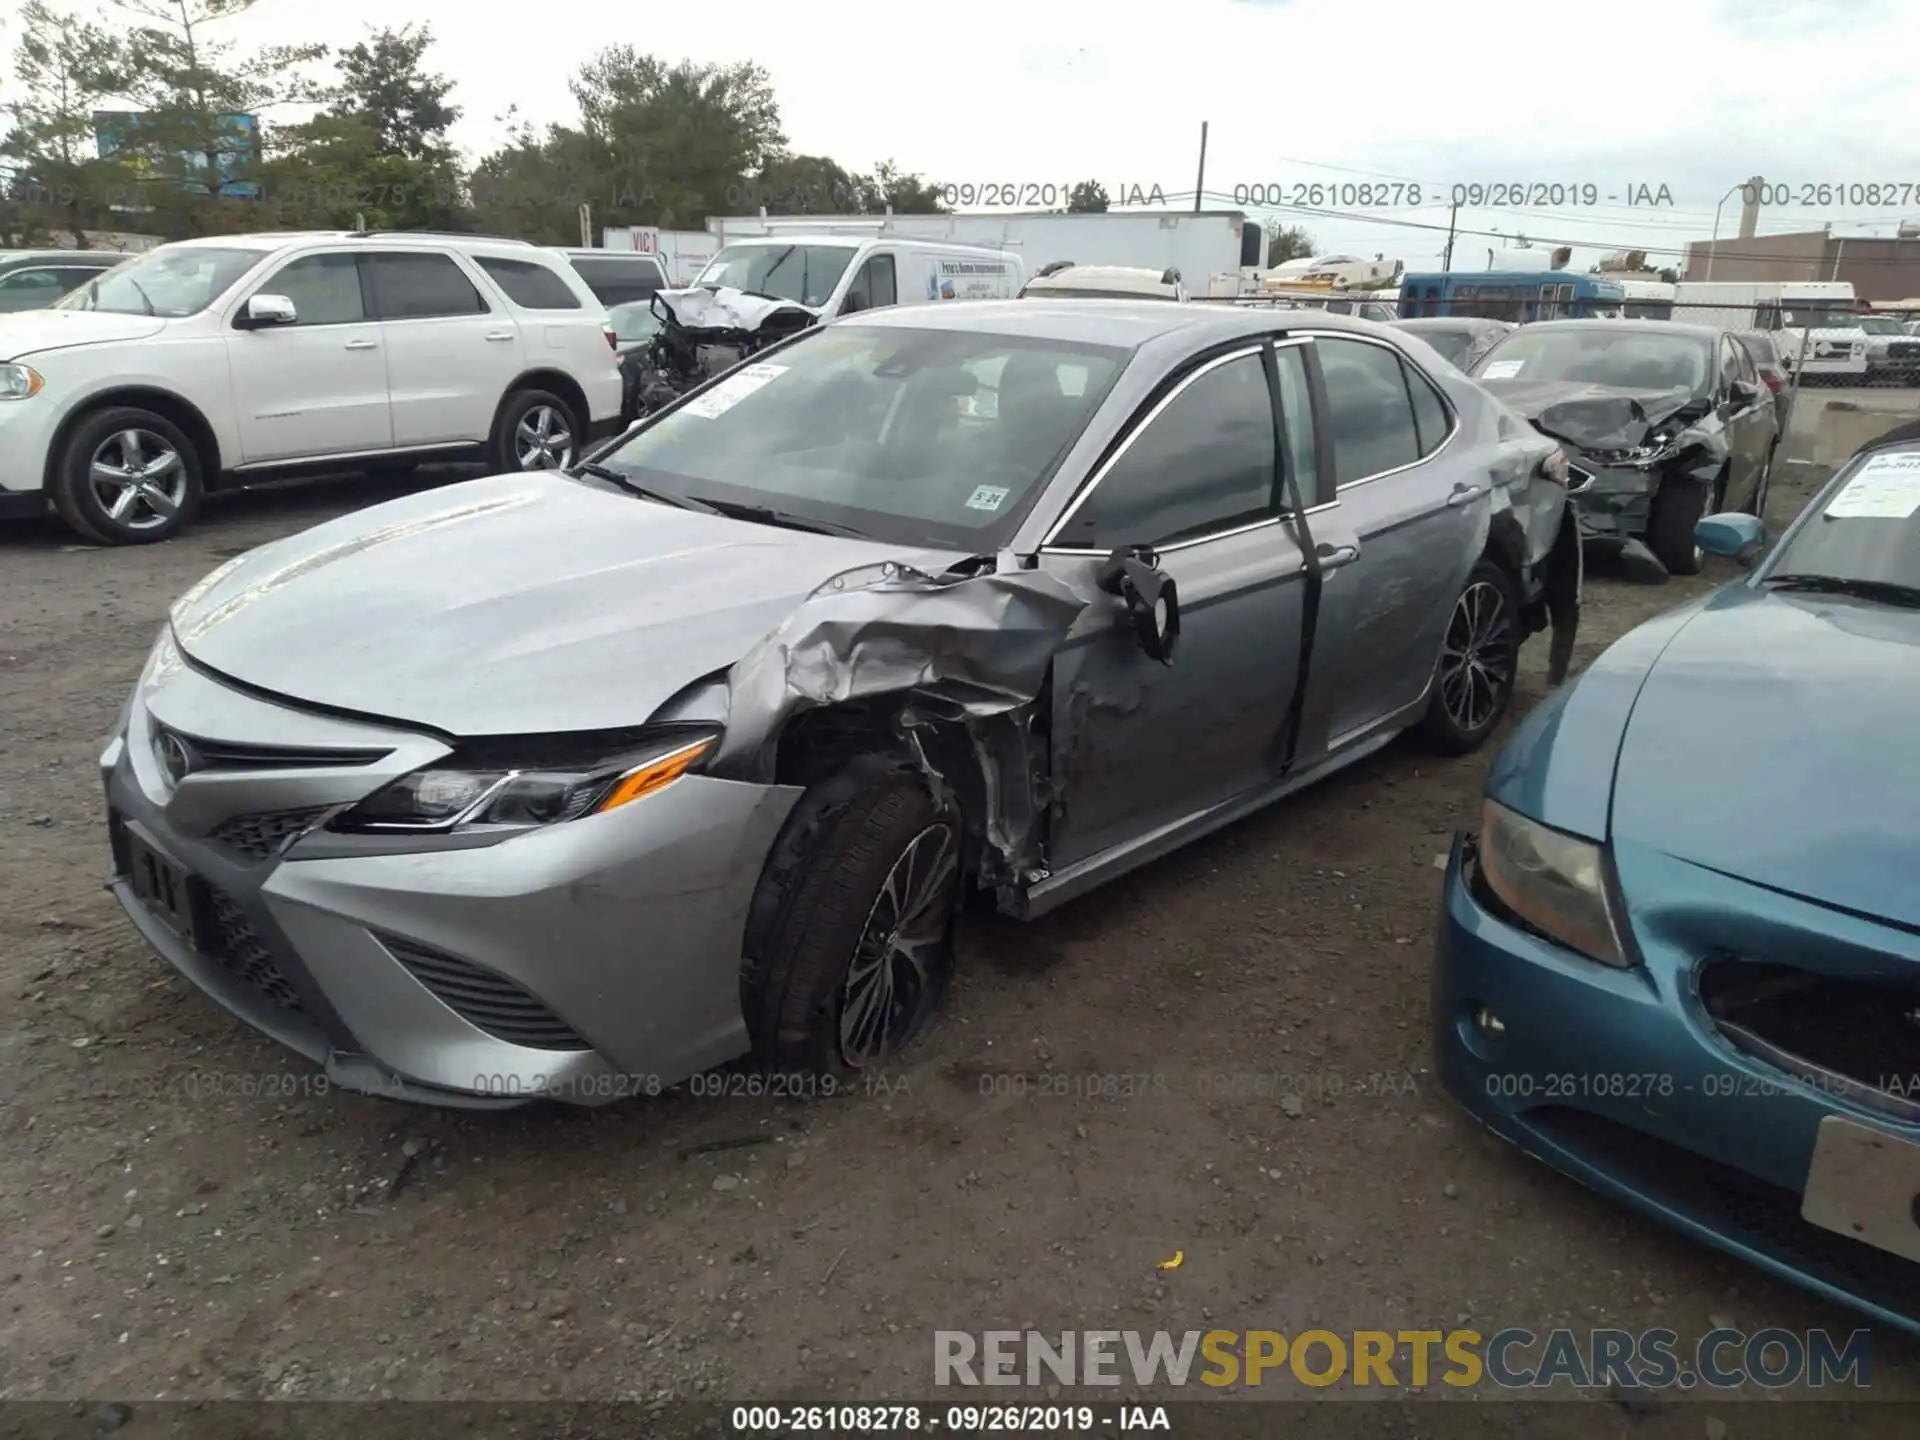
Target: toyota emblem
<point>175,754</point>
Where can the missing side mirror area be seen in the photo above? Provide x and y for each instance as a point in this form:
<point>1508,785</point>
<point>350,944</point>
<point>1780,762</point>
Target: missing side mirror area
<point>1152,599</point>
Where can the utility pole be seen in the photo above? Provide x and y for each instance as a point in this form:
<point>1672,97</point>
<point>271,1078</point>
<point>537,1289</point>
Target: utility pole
<point>1446,260</point>
<point>1200,180</point>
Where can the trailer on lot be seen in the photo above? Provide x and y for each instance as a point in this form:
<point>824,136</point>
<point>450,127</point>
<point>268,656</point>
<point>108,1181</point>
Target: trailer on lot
<point>1209,248</point>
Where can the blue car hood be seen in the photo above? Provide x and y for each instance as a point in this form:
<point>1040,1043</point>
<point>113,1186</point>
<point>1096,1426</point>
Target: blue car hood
<point>1774,741</point>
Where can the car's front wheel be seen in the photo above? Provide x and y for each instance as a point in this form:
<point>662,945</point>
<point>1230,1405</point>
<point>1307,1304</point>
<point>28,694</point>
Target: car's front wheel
<point>1677,509</point>
<point>1479,661</point>
<point>127,476</point>
<point>849,946</point>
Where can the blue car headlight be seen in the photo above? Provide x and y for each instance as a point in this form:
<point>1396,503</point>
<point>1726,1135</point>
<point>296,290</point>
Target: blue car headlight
<point>1555,882</point>
<point>528,783</point>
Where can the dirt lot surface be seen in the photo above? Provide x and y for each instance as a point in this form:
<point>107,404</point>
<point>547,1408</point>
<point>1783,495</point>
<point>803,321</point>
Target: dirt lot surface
<point>184,1214</point>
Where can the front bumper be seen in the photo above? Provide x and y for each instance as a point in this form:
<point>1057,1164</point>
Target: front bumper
<point>27,428</point>
<point>1617,1079</point>
<point>589,962</point>
<point>1613,503</point>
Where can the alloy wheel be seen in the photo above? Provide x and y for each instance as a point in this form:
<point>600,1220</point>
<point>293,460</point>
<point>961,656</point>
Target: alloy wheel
<point>139,479</point>
<point>896,971</point>
<point>1477,661</point>
<point>543,440</point>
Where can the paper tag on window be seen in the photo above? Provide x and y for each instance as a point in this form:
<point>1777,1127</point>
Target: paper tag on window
<point>1502,370</point>
<point>987,497</point>
<point>732,390</point>
<point>1887,488</point>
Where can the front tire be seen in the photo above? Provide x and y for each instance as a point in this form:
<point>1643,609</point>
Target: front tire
<point>1479,661</point>
<point>536,430</point>
<point>127,476</point>
<point>1676,510</point>
<point>850,939</point>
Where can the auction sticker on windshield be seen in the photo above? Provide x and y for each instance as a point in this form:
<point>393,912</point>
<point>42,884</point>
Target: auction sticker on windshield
<point>1502,370</point>
<point>987,497</point>
<point>732,390</point>
<point>1887,488</point>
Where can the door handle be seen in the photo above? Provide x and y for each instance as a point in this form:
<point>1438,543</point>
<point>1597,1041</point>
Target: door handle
<point>1464,495</point>
<point>1332,557</point>
<point>499,334</point>
<point>362,344</point>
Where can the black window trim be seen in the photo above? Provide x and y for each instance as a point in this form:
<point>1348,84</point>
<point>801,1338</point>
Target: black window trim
<point>1149,411</point>
<point>361,272</point>
<point>371,291</point>
<point>1453,417</point>
<point>480,263</point>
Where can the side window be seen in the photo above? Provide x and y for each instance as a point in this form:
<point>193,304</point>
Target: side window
<point>1744,358</point>
<point>881,283</point>
<point>71,280</point>
<point>1204,463</point>
<point>1729,362</point>
<point>619,279</point>
<point>1368,404</point>
<point>530,286</point>
<point>1430,418</point>
<point>1296,414</point>
<point>324,289</point>
<point>422,286</point>
<point>30,289</point>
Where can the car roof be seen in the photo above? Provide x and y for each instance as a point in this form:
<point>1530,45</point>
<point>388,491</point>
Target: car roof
<point>570,251</point>
<point>1631,327</point>
<point>1451,322</point>
<point>1105,322</point>
<point>43,257</point>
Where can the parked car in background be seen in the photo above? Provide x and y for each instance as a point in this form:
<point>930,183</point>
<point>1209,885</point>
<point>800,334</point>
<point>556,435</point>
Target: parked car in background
<point>34,279</point>
<point>762,691</point>
<point>1893,356</point>
<point>1680,960</point>
<point>230,359</point>
<point>1661,422</point>
<point>833,275</point>
<point>618,277</point>
<point>1461,340</point>
<point>1064,279</point>
<point>1774,374</point>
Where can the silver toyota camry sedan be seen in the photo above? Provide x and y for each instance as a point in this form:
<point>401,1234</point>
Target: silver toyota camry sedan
<point>575,785</point>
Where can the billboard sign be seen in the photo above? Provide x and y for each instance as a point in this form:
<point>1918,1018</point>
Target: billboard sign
<point>117,135</point>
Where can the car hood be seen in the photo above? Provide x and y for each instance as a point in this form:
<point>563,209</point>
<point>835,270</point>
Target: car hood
<point>1750,749</point>
<point>1597,417</point>
<point>30,332</point>
<point>516,604</point>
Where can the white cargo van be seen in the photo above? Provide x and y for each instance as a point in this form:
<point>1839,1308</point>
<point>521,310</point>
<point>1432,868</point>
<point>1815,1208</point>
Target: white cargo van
<point>834,275</point>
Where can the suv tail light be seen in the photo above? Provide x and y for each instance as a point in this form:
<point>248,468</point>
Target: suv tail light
<point>1773,382</point>
<point>613,340</point>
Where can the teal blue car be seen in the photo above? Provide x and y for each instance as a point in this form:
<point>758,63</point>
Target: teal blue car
<point>1680,959</point>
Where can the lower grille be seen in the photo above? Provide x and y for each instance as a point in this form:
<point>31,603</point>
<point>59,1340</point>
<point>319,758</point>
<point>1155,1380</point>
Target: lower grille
<point>485,1000</point>
<point>236,947</point>
<point>1761,1216</point>
<point>261,837</point>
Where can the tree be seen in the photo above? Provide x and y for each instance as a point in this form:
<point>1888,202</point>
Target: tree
<point>385,82</point>
<point>1089,197</point>
<point>1287,242</point>
<point>890,187</point>
<point>802,185</point>
<point>64,66</point>
<point>190,90</point>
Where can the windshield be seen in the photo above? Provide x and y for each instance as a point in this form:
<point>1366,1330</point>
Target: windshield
<point>634,322</point>
<point>1816,317</point>
<point>169,281</point>
<point>1598,357</point>
<point>921,437</point>
<point>1456,346</point>
<point>1868,527</point>
<point>1876,326</point>
<point>802,273</point>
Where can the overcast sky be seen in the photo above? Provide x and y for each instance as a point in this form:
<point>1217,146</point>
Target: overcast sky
<point>1690,95</point>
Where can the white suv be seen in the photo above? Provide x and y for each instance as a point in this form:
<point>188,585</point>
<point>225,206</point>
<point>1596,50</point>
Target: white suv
<point>223,361</point>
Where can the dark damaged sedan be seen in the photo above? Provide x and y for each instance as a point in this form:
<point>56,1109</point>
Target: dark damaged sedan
<point>577,784</point>
<point>1661,423</point>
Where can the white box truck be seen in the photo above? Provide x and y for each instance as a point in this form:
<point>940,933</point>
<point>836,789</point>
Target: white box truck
<point>1817,316</point>
<point>1211,248</point>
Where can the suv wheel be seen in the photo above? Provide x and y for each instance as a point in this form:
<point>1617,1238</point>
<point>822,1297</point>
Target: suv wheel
<point>127,477</point>
<point>537,430</point>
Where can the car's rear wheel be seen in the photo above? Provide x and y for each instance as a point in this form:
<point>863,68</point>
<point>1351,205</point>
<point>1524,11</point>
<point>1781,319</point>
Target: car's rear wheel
<point>1479,660</point>
<point>536,430</point>
<point>850,941</point>
<point>127,476</point>
<point>1676,511</point>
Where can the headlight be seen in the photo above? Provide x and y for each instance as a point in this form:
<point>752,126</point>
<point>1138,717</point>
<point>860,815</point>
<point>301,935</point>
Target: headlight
<point>20,382</point>
<point>1554,881</point>
<point>525,784</point>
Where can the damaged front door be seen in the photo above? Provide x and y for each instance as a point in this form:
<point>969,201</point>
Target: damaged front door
<point>1137,744</point>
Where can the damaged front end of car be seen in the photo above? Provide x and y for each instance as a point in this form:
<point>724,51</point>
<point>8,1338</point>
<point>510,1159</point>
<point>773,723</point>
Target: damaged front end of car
<point>704,332</point>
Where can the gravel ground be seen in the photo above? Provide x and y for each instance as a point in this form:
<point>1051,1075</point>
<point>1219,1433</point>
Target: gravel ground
<point>183,1214</point>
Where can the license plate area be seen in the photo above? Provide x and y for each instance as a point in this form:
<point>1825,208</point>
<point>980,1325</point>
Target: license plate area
<point>1864,1183</point>
<point>162,886</point>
